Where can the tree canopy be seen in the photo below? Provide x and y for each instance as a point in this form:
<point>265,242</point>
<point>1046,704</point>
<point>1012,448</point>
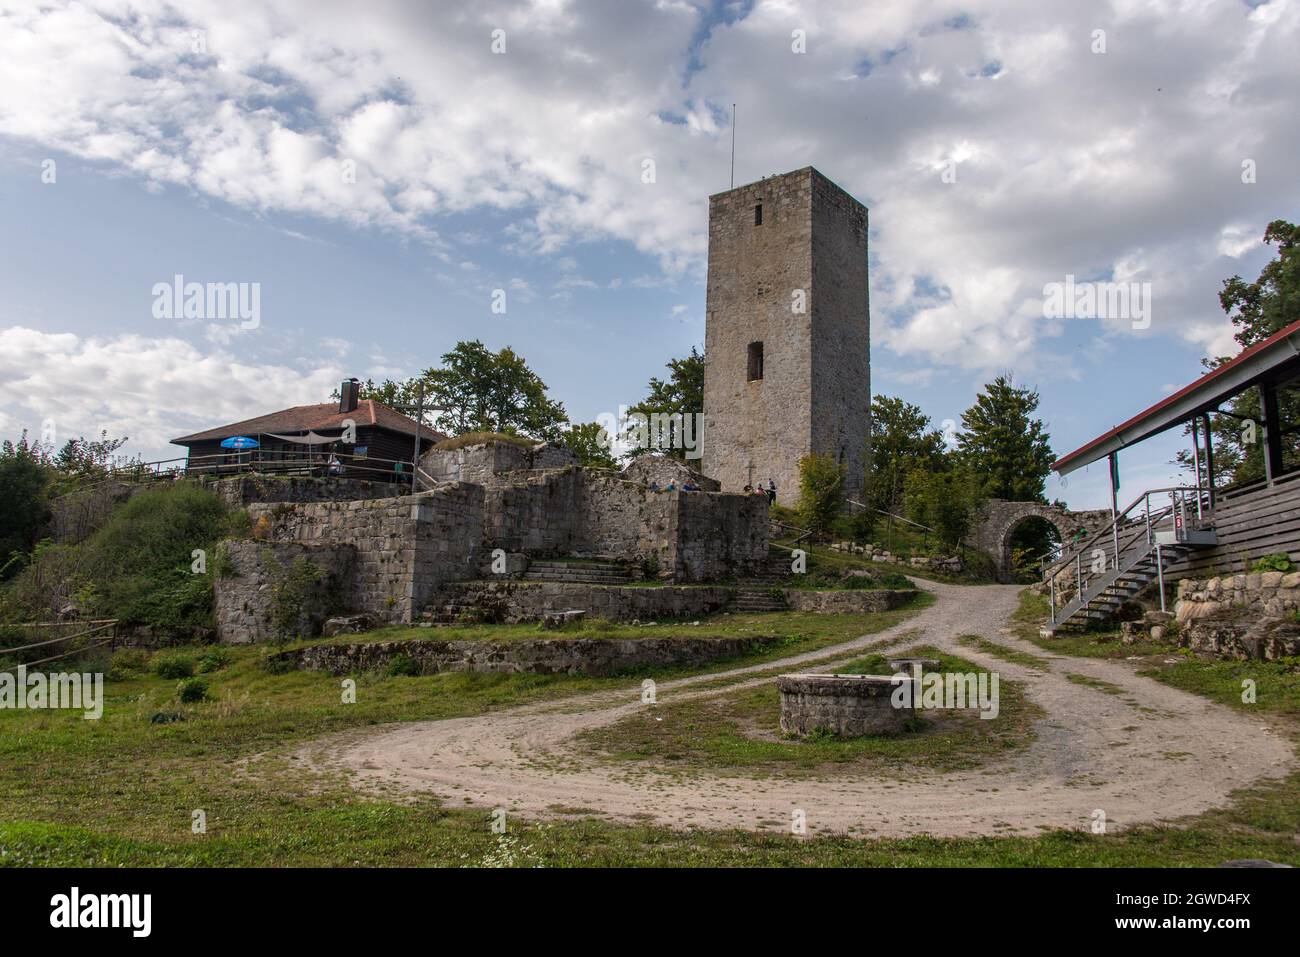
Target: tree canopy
<point>1004,448</point>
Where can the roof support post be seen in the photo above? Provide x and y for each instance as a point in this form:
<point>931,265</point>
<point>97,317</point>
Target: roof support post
<point>1114,505</point>
<point>1209,459</point>
<point>1272,430</point>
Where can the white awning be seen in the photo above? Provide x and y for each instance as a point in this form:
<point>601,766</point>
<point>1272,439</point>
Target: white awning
<point>308,438</point>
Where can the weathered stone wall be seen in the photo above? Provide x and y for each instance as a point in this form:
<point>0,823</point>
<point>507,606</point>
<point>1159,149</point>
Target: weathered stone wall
<point>841,337</point>
<point>852,601</point>
<point>244,591</point>
<point>242,490</point>
<point>998,519</point>
<point>539,514</point>
<point>718,535</point>
<point>652,467</point>
<point>78,515</point>
<point>515,601</point>
<point>844,705</point>
<point>570,656</point>
<point>406,547</point>
<point>815,388</point>
<point>1271,594</point>
<point>483,463</point>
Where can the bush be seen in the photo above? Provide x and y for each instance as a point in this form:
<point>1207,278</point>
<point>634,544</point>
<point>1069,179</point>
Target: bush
<point>214,659</point>
<point>173,666</point>
<point>944,501</point>
<point>127,663</point>
<point>403,666</point>
<point>290,595</point>
<point>1277,562</point>
<point>821,492</point>
<point>192,690</point>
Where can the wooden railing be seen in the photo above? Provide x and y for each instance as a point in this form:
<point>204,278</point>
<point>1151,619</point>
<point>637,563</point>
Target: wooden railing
<point>102,630</point>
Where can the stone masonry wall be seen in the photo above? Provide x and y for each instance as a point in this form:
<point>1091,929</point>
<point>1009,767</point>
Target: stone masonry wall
<point>484,463</point>
<point>1260,593</point>
<point>406,547</point>
<point>244,593</point>
<point>515,601</point>
<point>244,490</point>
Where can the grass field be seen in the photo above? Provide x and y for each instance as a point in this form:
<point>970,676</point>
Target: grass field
<point>123,790</point>
<point>740,732</point>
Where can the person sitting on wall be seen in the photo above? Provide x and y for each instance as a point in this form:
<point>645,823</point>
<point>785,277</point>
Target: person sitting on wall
<point>654,486</point>
<point>749,489</point>
<point>670,487</point>
<point>690,487</point>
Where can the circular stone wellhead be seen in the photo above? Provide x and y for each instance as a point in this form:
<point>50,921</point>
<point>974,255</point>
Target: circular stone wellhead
<point>844,705</point>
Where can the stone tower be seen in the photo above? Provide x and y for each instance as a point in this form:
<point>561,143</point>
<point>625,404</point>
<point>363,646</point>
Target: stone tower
<point>787,338</point>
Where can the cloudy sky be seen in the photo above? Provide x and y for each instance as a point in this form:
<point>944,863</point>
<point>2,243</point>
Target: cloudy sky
<point>380,174</point>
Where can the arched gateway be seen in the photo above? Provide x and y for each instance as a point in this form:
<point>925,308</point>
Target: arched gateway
<point>999,519</point>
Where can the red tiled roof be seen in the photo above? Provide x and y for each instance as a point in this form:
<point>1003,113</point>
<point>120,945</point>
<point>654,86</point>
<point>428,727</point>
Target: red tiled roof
<point>304,418</point>
<point>1206,385</point>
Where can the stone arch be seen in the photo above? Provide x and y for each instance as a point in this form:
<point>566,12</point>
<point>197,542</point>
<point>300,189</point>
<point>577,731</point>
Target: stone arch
<point>999,519</point>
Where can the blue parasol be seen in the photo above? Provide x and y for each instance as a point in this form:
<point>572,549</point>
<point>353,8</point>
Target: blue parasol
<point>239,442</point>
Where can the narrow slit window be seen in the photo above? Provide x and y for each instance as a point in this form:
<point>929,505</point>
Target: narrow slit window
<point>755,361</point>
<point>758,215</point>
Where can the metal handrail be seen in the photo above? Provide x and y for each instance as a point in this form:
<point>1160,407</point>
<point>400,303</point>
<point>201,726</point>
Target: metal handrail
<point>1111,528</point>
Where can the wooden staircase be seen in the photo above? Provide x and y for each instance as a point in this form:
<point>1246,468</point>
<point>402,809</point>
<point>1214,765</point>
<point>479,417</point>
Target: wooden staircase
<point>1137,546</point>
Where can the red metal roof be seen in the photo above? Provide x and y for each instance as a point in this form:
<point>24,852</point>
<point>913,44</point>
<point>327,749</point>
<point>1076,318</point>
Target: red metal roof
<point>304,418</point>
<point>1204,384</point>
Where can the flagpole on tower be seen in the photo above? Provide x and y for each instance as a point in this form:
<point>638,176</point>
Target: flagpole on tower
<point>733,145</point>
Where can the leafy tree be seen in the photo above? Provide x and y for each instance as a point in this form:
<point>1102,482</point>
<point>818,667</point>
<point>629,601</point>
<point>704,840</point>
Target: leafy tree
<point>821,492</point>
<point>478,390</point>
<point>1002,446</point>
<point>682,393</point>
<point>1257,310</point>
<point>590,443</point>
<point>944,501</point>
<point>901,441</point>
<point>24,501</point>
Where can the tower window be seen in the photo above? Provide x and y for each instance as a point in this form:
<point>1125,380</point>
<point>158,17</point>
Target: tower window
<point>755,361</point>
<point>758,215</point>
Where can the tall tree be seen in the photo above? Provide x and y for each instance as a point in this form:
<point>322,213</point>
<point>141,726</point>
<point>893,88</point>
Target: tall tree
<point>1003,447</point>
<point>478,390</point>
<point>901,441</point>
<point>1257,310</point>
<point>24,489</point>
<point>681,394</point>
<point>591,444</point>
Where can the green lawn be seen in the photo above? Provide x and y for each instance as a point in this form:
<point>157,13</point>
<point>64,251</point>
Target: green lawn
<point>739,732</point>
<point>122,790</point>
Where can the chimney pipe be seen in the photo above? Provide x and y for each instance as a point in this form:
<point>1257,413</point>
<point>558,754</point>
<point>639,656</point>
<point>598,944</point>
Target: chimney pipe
<point>348,395</point>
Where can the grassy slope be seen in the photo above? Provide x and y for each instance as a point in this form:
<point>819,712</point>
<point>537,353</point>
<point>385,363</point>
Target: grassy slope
<point>121,790</point>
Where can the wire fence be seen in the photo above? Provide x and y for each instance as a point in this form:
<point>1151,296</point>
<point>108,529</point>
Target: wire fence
<point>101,631</point>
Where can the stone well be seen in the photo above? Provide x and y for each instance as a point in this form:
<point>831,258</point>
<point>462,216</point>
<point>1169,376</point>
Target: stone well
<point>845,705</point>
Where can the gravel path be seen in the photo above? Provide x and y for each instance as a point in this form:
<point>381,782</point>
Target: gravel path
<point>1152,754</point>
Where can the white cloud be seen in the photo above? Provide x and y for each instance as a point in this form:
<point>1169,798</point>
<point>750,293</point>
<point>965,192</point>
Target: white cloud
<point>1068,161</point>
<point>150,389</point>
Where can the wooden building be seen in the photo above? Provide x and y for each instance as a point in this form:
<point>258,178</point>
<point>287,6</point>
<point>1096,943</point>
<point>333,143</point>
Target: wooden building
<point>368,439</point>
<point>1208,526</point>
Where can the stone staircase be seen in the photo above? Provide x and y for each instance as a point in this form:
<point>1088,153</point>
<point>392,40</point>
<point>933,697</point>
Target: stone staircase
<point>584,572</point>
<point>760,591</point>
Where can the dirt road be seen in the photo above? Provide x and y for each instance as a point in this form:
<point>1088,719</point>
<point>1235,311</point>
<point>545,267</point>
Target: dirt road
<point>1150,754</point>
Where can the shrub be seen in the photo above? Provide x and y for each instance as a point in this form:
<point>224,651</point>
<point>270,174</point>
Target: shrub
<point>214,659</point>
<point>821,492</point>
<point>291,592</point>
<point>1277,562</point>
<point>192,690</point>
<point>127,663</point>
<point>173,665</point>
<point>943,501</point>
<point>403,666</point>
